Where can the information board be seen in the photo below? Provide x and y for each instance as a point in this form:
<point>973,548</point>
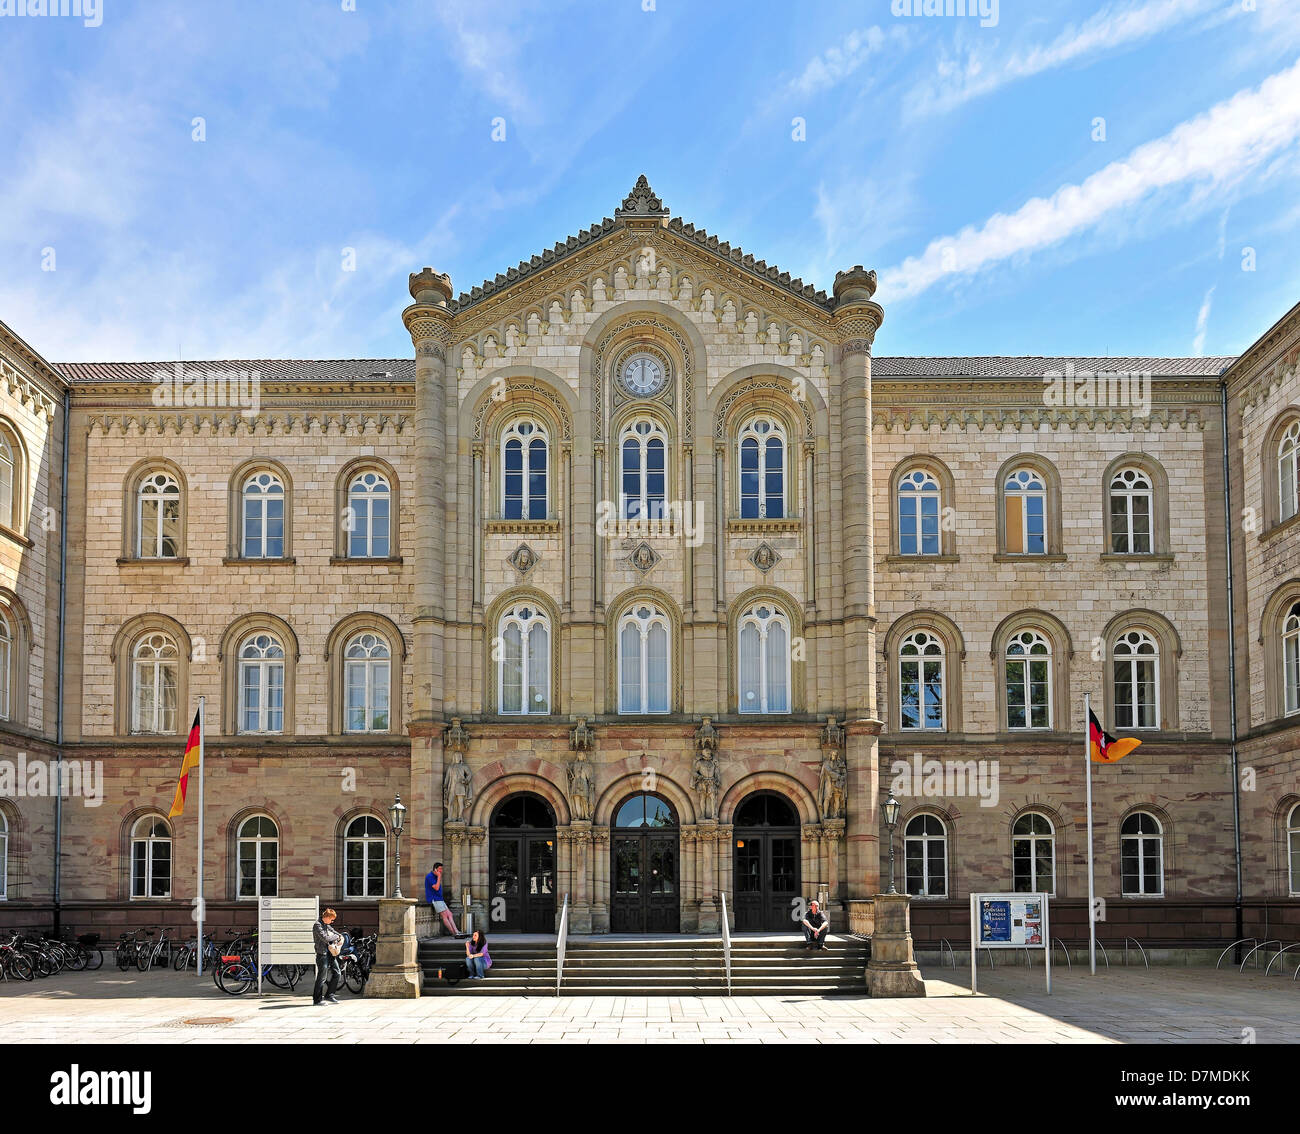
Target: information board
<point>1009,921</point>
<point>284,932</point>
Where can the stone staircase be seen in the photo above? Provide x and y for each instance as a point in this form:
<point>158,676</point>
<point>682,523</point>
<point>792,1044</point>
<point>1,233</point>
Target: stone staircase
<point>660,966</point>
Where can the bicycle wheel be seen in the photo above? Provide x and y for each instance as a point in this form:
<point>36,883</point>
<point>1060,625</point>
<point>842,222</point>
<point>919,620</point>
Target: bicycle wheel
<point>353,977</point>
<point>181,961</point>
<point>124,956</point>
<point>77,960</point>
<point>94,959</point>
<point>235,978</point>
<point>143,959</point>
<point>277,975</point>
<point>21,967</point>
<point>295,973</point>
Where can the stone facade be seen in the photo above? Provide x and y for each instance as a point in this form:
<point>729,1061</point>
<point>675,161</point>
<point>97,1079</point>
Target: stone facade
<point>724,342</point>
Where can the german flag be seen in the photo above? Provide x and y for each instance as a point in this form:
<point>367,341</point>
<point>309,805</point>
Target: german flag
<point>188,765</point>
<point>1105,748</point>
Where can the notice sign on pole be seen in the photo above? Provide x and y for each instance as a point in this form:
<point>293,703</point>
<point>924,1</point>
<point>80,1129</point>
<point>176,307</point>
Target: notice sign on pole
<point>284,932</point>
<point>1009,921</point>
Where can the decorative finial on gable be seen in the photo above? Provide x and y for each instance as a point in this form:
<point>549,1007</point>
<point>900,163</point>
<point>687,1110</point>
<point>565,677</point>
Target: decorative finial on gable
<point>641,202</point>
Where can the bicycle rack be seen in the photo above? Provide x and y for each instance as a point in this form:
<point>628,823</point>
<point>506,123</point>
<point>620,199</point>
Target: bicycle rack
<point>989,954</point>
<point>1140,950</point>
<point>1261,945</point>
<point>1064,949</point>
<point>1278,957</point>
<point>1230,948</point>
<point>944,943</point>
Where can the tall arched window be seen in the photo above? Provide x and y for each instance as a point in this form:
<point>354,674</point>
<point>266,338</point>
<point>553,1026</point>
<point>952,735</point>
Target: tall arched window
<point>921,681</point>
<point>258,854</point>
<point>1292,851</point>
<point>1025,503</point>
<point>366,678</point>
<point>1033,854</point>
<point>155,670</point>
<point>1142,862</point>
<point>365,855</point>
<point>4,857</point>
<point>644,665</point>
<point>524,468</point>
<point>261,684</point>
<point>151,858</point>
<point>158,517</point>
<point>918,514</point>
<point>6,665</point>
<point>369,516</point>
<point>1029,681</point>
<point>1132,500</point>
<point>1291,660</point>
<point>764,660</point>
<point>644,449</point>
<point>1288,472</point>
<point>263,517</point>
<point>524,666</point>
<point>925,856</point>
<point>1135,659</point>
<point>8,479</point>
<point>762,469</point>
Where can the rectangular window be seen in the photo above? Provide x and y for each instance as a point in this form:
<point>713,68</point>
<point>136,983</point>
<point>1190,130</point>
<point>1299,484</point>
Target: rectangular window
<point>921,684</point>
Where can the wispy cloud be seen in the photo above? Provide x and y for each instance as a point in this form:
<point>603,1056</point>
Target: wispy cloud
<point>1216,147</point>
<point>1202,323</point>
<point>837,63</point>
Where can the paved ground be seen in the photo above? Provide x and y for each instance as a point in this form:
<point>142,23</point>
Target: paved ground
<point>1123,1006</point>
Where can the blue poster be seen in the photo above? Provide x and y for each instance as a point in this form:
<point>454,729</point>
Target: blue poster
<point>995,922</point>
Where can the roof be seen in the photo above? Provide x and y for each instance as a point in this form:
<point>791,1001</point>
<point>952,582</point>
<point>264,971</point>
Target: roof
<point>270,369</point>
<point>1037,366</point>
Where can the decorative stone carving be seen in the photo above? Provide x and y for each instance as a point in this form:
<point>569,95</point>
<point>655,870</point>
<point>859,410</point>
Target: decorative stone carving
<point>706,779</point>
<point>764,557</point>
<point>523,559</point>
<point>834,783</point>
<point>644,558</point>
<point>582,738</point>
<point>641,202</point>
<point>456,738</point>
<point>582,787</point>
<point>833,735</point>
<point>457,789</point>
<point>706,736</point>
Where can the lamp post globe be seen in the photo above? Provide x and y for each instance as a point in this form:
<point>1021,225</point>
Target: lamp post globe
<point>889,810</point>
<point>397,820</point>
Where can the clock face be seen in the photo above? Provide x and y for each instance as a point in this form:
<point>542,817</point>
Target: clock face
<point>643,375</point>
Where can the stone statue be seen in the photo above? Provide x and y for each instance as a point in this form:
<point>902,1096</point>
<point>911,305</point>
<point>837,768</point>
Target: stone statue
<point>582,787</point>
<point>834,785</point>
<point>457,789</point>
<point>706,779</point>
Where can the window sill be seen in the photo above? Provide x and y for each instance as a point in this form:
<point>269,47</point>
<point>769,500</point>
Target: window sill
<point>906,561</point>
<point>1131,557</point>
<point>521,527</point>
<point>757,526</point>
<point>16,536</point>
<point>1012,557</point>
<point>1280,527</point>
<point>360,561</point>
<point>242,561</point>
<point>133,561</point>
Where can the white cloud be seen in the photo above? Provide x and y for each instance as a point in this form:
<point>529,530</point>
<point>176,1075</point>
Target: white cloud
<point>1202,323</point>
<point>1215,148</point>
<point>836,64</point>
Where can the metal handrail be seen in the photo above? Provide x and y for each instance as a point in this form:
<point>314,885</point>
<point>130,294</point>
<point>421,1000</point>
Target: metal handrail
<point>1278,956</point>
<point>1230,948</point>
<point>561,940</point>
<point>1066,950</point>
<point>726,943</point>
<point>1140,950</point>
<point>1261,945</point>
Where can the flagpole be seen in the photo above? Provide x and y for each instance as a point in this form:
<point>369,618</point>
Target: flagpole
<point>1087,765</point>
<point>202,730</point>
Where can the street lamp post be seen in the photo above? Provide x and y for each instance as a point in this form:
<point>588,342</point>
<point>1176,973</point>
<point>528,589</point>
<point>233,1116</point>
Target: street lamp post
<point>397,820</point>
<point>889,813</point>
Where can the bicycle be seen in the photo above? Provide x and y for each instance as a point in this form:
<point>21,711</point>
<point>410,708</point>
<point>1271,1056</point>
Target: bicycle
<point>188,954</point>
<point>154,952</point>
<point>13,963</point>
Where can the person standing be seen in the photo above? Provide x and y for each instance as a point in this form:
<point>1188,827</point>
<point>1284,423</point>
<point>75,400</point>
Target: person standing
<point>433,895</point>
<point>329,943</point>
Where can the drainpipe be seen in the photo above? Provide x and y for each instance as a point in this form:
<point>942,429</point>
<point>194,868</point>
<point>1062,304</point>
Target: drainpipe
<point>58,709</point>
<point>1232,656</point>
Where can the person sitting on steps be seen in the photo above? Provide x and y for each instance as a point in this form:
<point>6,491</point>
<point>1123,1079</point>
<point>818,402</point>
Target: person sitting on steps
<point>477,958</point>
<point>815,927</point>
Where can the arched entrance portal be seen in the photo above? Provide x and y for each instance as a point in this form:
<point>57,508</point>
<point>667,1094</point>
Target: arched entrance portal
<point>766,841</point>
<point>521,850</point>
<point>645,878</point>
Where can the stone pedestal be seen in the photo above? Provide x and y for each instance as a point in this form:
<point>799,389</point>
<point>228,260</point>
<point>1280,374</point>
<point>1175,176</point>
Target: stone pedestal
<point>892,970</point>
<point>396,976</point>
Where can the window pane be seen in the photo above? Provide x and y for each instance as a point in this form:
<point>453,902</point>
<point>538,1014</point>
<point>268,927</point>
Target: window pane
<point>539,683</point>
<point>630,668</point>
<point>749,669</point>
<point>512,670</point>
<point>657,647</point>
<point>778,700</point>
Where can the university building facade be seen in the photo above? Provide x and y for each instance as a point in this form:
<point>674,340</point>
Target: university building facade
<point>644,580</point>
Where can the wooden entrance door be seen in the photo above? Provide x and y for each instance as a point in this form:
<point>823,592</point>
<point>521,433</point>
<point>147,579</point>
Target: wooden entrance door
<point>645,878</point>
<point>766,843</point>
<point>521,867</point>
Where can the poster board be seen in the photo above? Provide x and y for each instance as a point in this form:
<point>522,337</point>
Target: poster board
<point>284,932</point>
<point>1010,921</point>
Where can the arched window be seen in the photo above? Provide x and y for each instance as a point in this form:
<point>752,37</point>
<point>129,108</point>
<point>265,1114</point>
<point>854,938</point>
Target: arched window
<point>644,448</point>
<point>921,681</point>
<point>8,479</point>
<point>366,670</point>
<point>1135,659</point>
<point>1025,504</point>
<point>524,810</point>
<point>155,675</point>
<point>6,665</point>
<point>645,810</point>
<point>263,517</point>
<point>1132,508</point>
<point>369,516</point>
<point>918,514</point>
<point>151,858</point>
<point>158,517</point>
<point>762,469</point>
<point>524,669</point>
<point>1288,472</point>
<point>258,853</point>
<point>365,856</point>
<point>524,466</point>
<point>1033,854</point>
<point>1291,659</point>
<point>261,684</point>
<point>1029,681</point>
<point>4,857</point>
<point>644,664</point>
<point>925,856</point>
<point>764,660</point>
<point>1142,862</point>
<point>1292,844</point>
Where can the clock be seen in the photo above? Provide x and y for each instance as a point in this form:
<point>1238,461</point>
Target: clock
<point>643,375</point>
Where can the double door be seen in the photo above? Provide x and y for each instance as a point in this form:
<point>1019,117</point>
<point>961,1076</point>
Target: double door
<point>523,882</point>
<point>645,881</point>
<point>766,878</point>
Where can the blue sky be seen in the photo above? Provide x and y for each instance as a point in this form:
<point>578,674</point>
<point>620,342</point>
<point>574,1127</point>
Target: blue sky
<point>958,160</point>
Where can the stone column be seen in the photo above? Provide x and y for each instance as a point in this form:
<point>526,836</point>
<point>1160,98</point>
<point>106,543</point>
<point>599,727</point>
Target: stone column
<point>479,883</point>
<point>833,837</point>
<point>600,873</point>
<point>690,873</point>
<point>457,870</point>
<point>580,834</point>
<point>726,873</point>
<point>396,975</point>
<point>892,969</point>
<point>708,835</point>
